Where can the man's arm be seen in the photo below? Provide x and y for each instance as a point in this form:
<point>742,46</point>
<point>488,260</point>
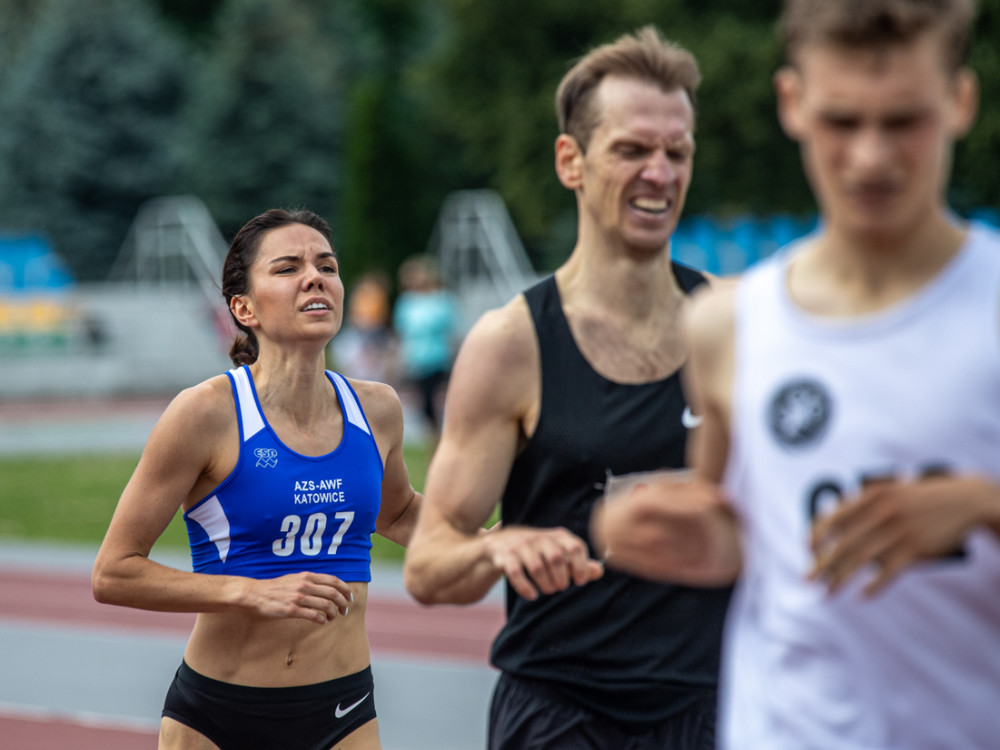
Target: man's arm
<point>494,388</point>
<point>685,532</point>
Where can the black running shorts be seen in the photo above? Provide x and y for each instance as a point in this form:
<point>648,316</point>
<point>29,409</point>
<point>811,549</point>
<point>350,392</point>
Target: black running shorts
<point>302,717</point>
<point>530,715</point>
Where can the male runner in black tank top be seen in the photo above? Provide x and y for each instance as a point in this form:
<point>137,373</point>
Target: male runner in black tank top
<point>571,382</point>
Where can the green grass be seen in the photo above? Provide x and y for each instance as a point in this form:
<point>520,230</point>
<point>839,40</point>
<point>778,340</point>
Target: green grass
<point>71,499</point>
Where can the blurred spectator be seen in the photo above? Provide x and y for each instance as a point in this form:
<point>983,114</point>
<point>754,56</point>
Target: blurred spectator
<point>365,348</point>
<point>426,320</point>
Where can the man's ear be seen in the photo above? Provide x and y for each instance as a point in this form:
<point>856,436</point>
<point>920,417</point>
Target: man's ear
<point>966,102</point>
<point>240,308</point>
<point>788,88</point>
<point>569,161</point>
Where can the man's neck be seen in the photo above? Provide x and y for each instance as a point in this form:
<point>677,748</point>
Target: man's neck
<point>840,273</point>
<point>629,284</point>
<point>624,314</point>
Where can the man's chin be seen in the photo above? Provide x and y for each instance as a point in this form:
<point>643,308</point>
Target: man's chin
<point>648,242</point>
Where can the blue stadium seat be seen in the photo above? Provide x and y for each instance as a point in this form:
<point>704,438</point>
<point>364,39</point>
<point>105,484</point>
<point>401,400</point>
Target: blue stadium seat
<point>28,264</point>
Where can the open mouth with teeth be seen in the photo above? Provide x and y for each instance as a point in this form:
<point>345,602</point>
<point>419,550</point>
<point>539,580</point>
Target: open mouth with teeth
<point>316,306</point>
<point>652,206</point>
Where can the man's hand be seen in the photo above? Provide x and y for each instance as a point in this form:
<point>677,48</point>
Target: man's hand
<point>541,561</point>
<point>669,530</point>
<point>895,524</point>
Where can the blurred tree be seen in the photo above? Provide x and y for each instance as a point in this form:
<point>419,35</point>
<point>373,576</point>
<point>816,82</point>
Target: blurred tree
<point>976,182</point>
<point>396,169</point>
<point>195,17</point>
<point>88,109</point>
<point>494,84</point>
<point>16,20</point>
<point>264,125</point>
<point>744,163</point>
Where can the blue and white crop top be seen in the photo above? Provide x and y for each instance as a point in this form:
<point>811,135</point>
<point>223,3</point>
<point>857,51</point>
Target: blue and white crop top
<point>281,512</point>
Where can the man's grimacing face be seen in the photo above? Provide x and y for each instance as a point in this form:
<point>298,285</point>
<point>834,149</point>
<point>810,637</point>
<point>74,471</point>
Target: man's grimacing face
<point>638,163</point>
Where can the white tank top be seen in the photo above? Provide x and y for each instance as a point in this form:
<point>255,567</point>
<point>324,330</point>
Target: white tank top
<point>819,405</point>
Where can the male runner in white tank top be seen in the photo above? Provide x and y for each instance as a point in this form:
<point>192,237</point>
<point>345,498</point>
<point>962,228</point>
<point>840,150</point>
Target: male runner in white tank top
<point>850,392</point>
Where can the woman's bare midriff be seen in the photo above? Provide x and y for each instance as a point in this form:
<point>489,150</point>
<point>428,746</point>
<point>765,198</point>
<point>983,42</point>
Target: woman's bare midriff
<point>246,649</point>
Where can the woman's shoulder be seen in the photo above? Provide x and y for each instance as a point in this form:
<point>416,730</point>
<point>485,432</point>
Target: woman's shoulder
<point>376,397</point>
<point>209,404</point>
<point>381,406</point>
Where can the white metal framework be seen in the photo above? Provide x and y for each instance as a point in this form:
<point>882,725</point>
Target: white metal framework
<point>173,242</point>
<point>482,258</point>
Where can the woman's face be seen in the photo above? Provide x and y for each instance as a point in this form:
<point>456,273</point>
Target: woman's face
<point>296,293</point>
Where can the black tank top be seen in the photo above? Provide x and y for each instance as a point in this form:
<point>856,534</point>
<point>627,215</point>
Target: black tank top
<point>623,647</point>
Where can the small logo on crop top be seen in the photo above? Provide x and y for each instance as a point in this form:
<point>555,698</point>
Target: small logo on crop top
<point>800,413</point>
<point>267,458</point>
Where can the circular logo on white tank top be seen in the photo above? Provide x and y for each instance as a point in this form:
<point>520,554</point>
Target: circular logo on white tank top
<point>799,413</point>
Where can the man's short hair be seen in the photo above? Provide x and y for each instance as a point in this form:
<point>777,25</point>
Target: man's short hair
<point>866,24</point>
<point>644,55</point>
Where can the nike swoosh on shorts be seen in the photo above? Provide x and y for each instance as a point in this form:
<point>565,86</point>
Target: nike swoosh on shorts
<point>340,713</point>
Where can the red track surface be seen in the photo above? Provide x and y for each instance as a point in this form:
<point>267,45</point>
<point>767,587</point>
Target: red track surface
<point>19,733</point>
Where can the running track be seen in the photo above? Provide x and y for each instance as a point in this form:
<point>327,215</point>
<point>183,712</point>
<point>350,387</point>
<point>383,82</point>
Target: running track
<point>427,661</point>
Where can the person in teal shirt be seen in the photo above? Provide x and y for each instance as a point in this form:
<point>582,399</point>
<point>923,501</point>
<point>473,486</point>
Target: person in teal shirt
<point>426,321</point>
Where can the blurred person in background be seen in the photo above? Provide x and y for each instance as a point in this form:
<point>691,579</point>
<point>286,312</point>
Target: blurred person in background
<point>366,348</point>
<point>572,385</point>
<point>849,457</point>
<point>425,318</point>
<point>283,470</point>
